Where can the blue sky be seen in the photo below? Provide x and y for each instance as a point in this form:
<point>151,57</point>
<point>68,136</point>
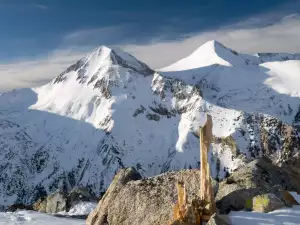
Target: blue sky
<point>34,27</point>
<point>35,33</point>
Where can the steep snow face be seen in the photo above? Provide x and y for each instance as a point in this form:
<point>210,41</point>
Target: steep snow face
<point>110,111</point>
<point>284,77</point>
<point>88,89</point>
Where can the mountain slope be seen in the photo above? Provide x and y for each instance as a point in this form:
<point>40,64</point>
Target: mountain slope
<point>103,113</point>
<point>263,96</point>
<point>110,111</point>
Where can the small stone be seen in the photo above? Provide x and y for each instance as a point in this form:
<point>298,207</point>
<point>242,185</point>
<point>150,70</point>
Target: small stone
<point>218,219</point>
<point>266,203</point>
<point>288,199</point>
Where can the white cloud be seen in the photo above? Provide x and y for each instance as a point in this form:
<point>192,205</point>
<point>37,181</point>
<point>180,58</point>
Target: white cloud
<point>282,36</point>
<point>29,73</point>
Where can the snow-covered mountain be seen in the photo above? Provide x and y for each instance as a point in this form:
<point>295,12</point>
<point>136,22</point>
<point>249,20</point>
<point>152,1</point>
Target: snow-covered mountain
<point>109,111</point>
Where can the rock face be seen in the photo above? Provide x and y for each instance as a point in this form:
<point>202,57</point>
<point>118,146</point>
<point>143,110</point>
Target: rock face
<point>258,177</point>
<point>131,200</point>
<point>60,201</point>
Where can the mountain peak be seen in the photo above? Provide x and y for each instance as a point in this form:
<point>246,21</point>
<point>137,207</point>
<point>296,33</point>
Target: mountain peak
<point>103,60</point>
<point>210,53</point>
<point>213,44</point>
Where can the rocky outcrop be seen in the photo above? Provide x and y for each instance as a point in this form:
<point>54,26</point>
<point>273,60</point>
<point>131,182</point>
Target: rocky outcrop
<point>60,201</point>
<point>258,177</point>
<point>54,203</point>
<point>136,201</point>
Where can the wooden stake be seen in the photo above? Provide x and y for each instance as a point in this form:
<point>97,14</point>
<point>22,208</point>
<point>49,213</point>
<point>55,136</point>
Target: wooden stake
<point>206,191</point>
<point>182,197</point>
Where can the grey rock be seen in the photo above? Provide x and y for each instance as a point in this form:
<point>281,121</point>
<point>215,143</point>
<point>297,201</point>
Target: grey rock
<point>62,201</point>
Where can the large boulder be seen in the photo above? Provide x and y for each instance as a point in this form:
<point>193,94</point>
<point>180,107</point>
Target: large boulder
<point>131,200</point>
<point>257,177</point>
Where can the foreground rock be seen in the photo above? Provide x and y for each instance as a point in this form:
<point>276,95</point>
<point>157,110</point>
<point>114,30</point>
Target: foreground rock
<point>61,201</point>
<point>256,178</point>
<point>131,200</point>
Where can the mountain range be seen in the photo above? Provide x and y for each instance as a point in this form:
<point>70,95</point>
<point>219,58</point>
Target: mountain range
<point>109,111</point>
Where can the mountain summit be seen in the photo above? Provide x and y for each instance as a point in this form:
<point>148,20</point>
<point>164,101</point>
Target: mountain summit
<point>212,52</point>
<point>109,111</point>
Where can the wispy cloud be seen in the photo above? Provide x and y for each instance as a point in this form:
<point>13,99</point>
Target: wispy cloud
<point>40,6</point>
<point>35,72</point>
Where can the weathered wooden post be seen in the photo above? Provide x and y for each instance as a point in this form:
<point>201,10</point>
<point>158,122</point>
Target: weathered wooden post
<point>180,208</point>
<point>206,191</point>
<point>196,211</point>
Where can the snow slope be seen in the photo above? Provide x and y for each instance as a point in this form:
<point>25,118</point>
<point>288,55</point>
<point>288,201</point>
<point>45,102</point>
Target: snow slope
<point>110,111</point>
<point>287,216</point>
